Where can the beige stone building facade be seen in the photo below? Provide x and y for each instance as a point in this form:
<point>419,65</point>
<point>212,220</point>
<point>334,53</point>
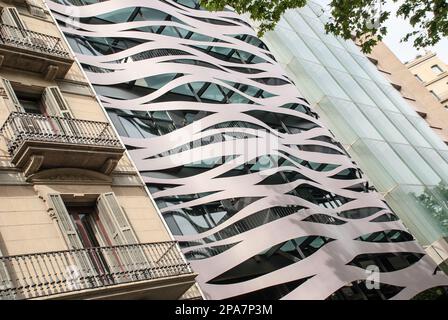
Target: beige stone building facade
<point>416,90</point>
<point>75,218</point>
<point>433,73</point>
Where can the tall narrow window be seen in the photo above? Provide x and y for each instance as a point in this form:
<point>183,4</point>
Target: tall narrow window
<point>70,234</point>
<point>55,103</point>
<point>435,95</point>
<point>15,30</point>
<point>36,8</point>
<point>31,103</point>
<point>102,226</point>
<point>93,235</point>
<point>11,17</point>
<point>436,69</point>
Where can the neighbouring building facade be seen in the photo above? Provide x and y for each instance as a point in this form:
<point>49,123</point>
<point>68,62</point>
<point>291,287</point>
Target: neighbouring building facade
<point>76,221</point>
<point>433,73</point>
<point>264,202</point>
<point>402,156</point>
<point>413,90</point>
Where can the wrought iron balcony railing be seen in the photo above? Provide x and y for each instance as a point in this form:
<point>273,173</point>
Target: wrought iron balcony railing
<point>30,40</point>
<point>22,127</point>
<point>46,274</point>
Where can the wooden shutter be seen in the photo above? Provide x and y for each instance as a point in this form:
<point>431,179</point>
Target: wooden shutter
<point>11,17</point>
<point>55,103</point>
<point>65,222</point>
<point>120,232</point>
<point>72,238</point>
<point>36,8</point>
<point>13,103</point>
<point>110,210</point>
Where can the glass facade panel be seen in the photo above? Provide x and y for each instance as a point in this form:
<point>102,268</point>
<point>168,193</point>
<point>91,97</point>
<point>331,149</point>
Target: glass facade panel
<point>348,62</point>
<point>351,87</point>
<point>417,214</point>
<point>407,129</point>
<point>323,81</point>
<point>382,124</point>
<point>320,49</point>
<point>391,143</point>
<point>419,166</point>
<point>376,94</point>
<point>390,162</point>
<point>351,122</point>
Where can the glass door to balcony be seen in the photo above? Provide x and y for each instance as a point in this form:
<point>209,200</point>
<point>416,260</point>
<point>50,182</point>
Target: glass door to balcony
<point>93,236</point>
<point>31,105</point>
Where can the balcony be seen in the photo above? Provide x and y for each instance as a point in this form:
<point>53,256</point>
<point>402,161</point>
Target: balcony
<point>36,142</point>
<point>140,271</point>
<point>33,51</point>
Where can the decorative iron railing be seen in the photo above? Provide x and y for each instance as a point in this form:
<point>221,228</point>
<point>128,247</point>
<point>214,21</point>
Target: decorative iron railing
<point>45,274</point>
<point>35,41</point>
<point>21,127</point>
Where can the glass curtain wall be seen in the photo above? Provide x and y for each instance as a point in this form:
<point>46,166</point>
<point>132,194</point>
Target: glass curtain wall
<point>403,158</point>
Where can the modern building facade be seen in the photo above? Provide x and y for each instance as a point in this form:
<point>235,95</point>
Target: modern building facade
<point>426,104</point>
<point>264,202</point>
<point>76,221</point>
<point>402,156</point>
<point>433,73</point>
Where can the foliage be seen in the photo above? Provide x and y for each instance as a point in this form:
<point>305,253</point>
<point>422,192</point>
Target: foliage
<point>363,19</point>
<point>436,201</point>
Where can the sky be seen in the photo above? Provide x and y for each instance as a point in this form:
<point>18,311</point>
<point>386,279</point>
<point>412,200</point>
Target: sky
<point>397,29</point>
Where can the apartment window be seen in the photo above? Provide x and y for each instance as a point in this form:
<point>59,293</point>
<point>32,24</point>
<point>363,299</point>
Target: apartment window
<point>36,8</point>
<point>418,78</point>
<point>88,226</point>
<point>94,222</point>
<point>11,17</point>
<point>30,103</point>
<point>434,95</point>
<point>49,101</point>
<point>436,69</point>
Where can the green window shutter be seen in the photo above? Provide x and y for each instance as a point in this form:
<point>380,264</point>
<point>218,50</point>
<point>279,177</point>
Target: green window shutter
<point>13,103</point>
<point>55,103</point>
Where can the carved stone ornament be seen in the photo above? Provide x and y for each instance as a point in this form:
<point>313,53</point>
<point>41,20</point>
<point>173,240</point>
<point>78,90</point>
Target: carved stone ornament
<point>69,176</point>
